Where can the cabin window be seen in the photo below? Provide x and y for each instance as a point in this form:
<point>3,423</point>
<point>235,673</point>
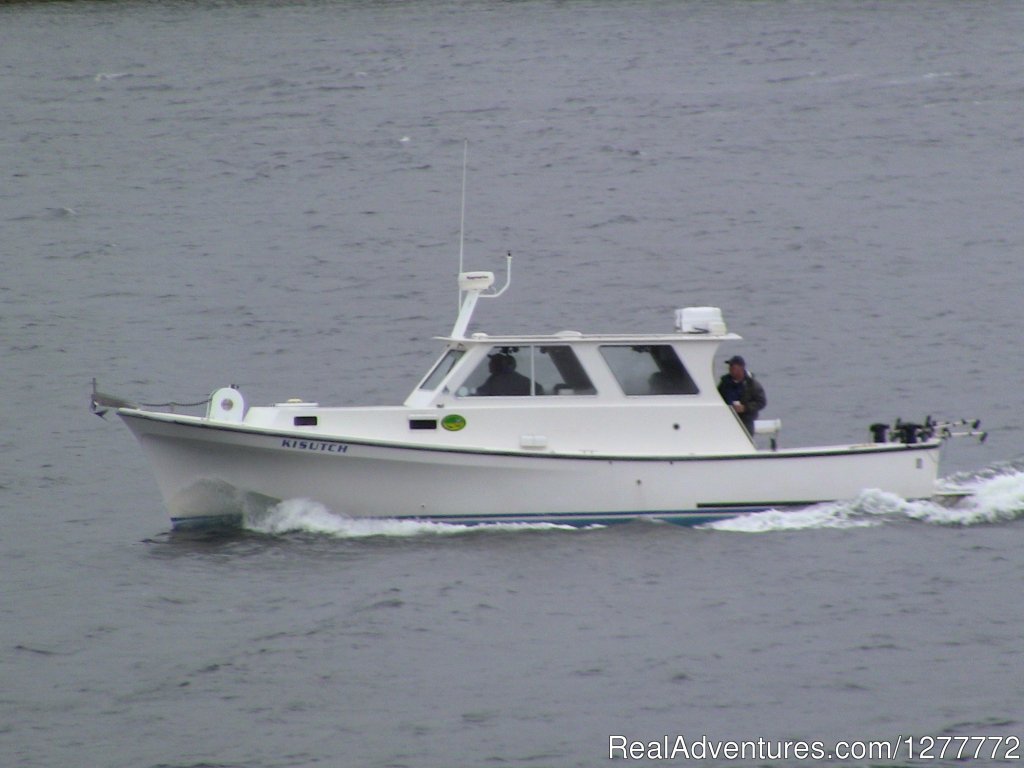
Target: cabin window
<point>519,370</point>
<point>442,369</point>
<point>649,369</point>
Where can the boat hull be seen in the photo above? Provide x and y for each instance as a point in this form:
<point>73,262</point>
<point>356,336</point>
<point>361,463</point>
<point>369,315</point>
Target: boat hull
<point>212,473</point>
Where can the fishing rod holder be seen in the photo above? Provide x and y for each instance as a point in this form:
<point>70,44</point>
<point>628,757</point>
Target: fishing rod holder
<point>911,433</point>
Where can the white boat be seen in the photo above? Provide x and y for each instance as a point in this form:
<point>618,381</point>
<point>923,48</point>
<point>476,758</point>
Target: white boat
<point>587,429</point>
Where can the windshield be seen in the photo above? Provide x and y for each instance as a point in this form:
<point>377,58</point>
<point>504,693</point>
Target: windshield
<point>442,369</point>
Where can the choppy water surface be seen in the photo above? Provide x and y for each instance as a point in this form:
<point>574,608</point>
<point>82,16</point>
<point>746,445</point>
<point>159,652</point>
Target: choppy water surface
<point>267,194</point>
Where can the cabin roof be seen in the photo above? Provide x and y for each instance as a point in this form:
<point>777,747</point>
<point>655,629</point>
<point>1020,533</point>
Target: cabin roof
<point>571,337</point>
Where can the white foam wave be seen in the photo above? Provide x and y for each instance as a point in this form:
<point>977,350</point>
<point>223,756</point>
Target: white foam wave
<point>855,514</point>
<point>991,496</point>
<point>306,516</point>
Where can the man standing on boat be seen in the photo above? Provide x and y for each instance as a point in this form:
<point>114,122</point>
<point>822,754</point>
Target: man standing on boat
<point>742,391</point>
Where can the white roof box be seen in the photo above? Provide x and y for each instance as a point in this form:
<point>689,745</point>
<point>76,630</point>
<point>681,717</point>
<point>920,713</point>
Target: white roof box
<point>700,320</point>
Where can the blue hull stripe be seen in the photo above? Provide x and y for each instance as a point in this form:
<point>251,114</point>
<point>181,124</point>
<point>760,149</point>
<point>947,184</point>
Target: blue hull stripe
<point>705,514</point>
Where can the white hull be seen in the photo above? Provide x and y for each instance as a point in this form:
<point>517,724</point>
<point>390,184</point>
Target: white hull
<point>212,472</point>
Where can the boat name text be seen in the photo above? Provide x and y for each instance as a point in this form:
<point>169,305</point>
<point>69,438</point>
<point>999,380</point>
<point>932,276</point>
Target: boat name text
<point>314,445</point>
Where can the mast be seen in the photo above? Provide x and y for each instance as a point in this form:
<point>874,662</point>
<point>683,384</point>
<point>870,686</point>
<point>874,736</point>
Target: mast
<point>472,284</point>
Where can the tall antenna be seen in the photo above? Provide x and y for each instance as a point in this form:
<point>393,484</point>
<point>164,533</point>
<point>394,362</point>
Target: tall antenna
<point>462,216</point>
<point>473,285</point>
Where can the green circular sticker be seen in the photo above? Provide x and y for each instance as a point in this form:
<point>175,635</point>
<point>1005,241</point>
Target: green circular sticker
<point>453,422</point>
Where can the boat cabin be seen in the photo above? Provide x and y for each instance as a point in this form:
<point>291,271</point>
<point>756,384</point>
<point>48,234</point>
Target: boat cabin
<point>616,389</point>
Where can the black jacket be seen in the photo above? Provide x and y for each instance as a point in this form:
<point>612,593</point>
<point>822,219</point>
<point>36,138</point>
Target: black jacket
<point>749,392</point>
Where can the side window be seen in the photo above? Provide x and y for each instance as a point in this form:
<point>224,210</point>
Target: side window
<point>559,371</point>
<point>512,371</point>
<point>500,374</point>
<point>653,369</point>
<point>442,369</point>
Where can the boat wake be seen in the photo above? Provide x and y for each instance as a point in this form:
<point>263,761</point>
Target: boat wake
<point>993,495</point>
<point>305,516</point>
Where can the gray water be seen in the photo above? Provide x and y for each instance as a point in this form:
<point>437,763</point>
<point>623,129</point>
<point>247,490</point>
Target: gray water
<point>267,194</point>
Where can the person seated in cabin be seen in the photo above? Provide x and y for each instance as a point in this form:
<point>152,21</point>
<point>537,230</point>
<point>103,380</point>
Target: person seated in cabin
<point>671,377</point>
<point>504,379</point>
<point>742,391</point>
